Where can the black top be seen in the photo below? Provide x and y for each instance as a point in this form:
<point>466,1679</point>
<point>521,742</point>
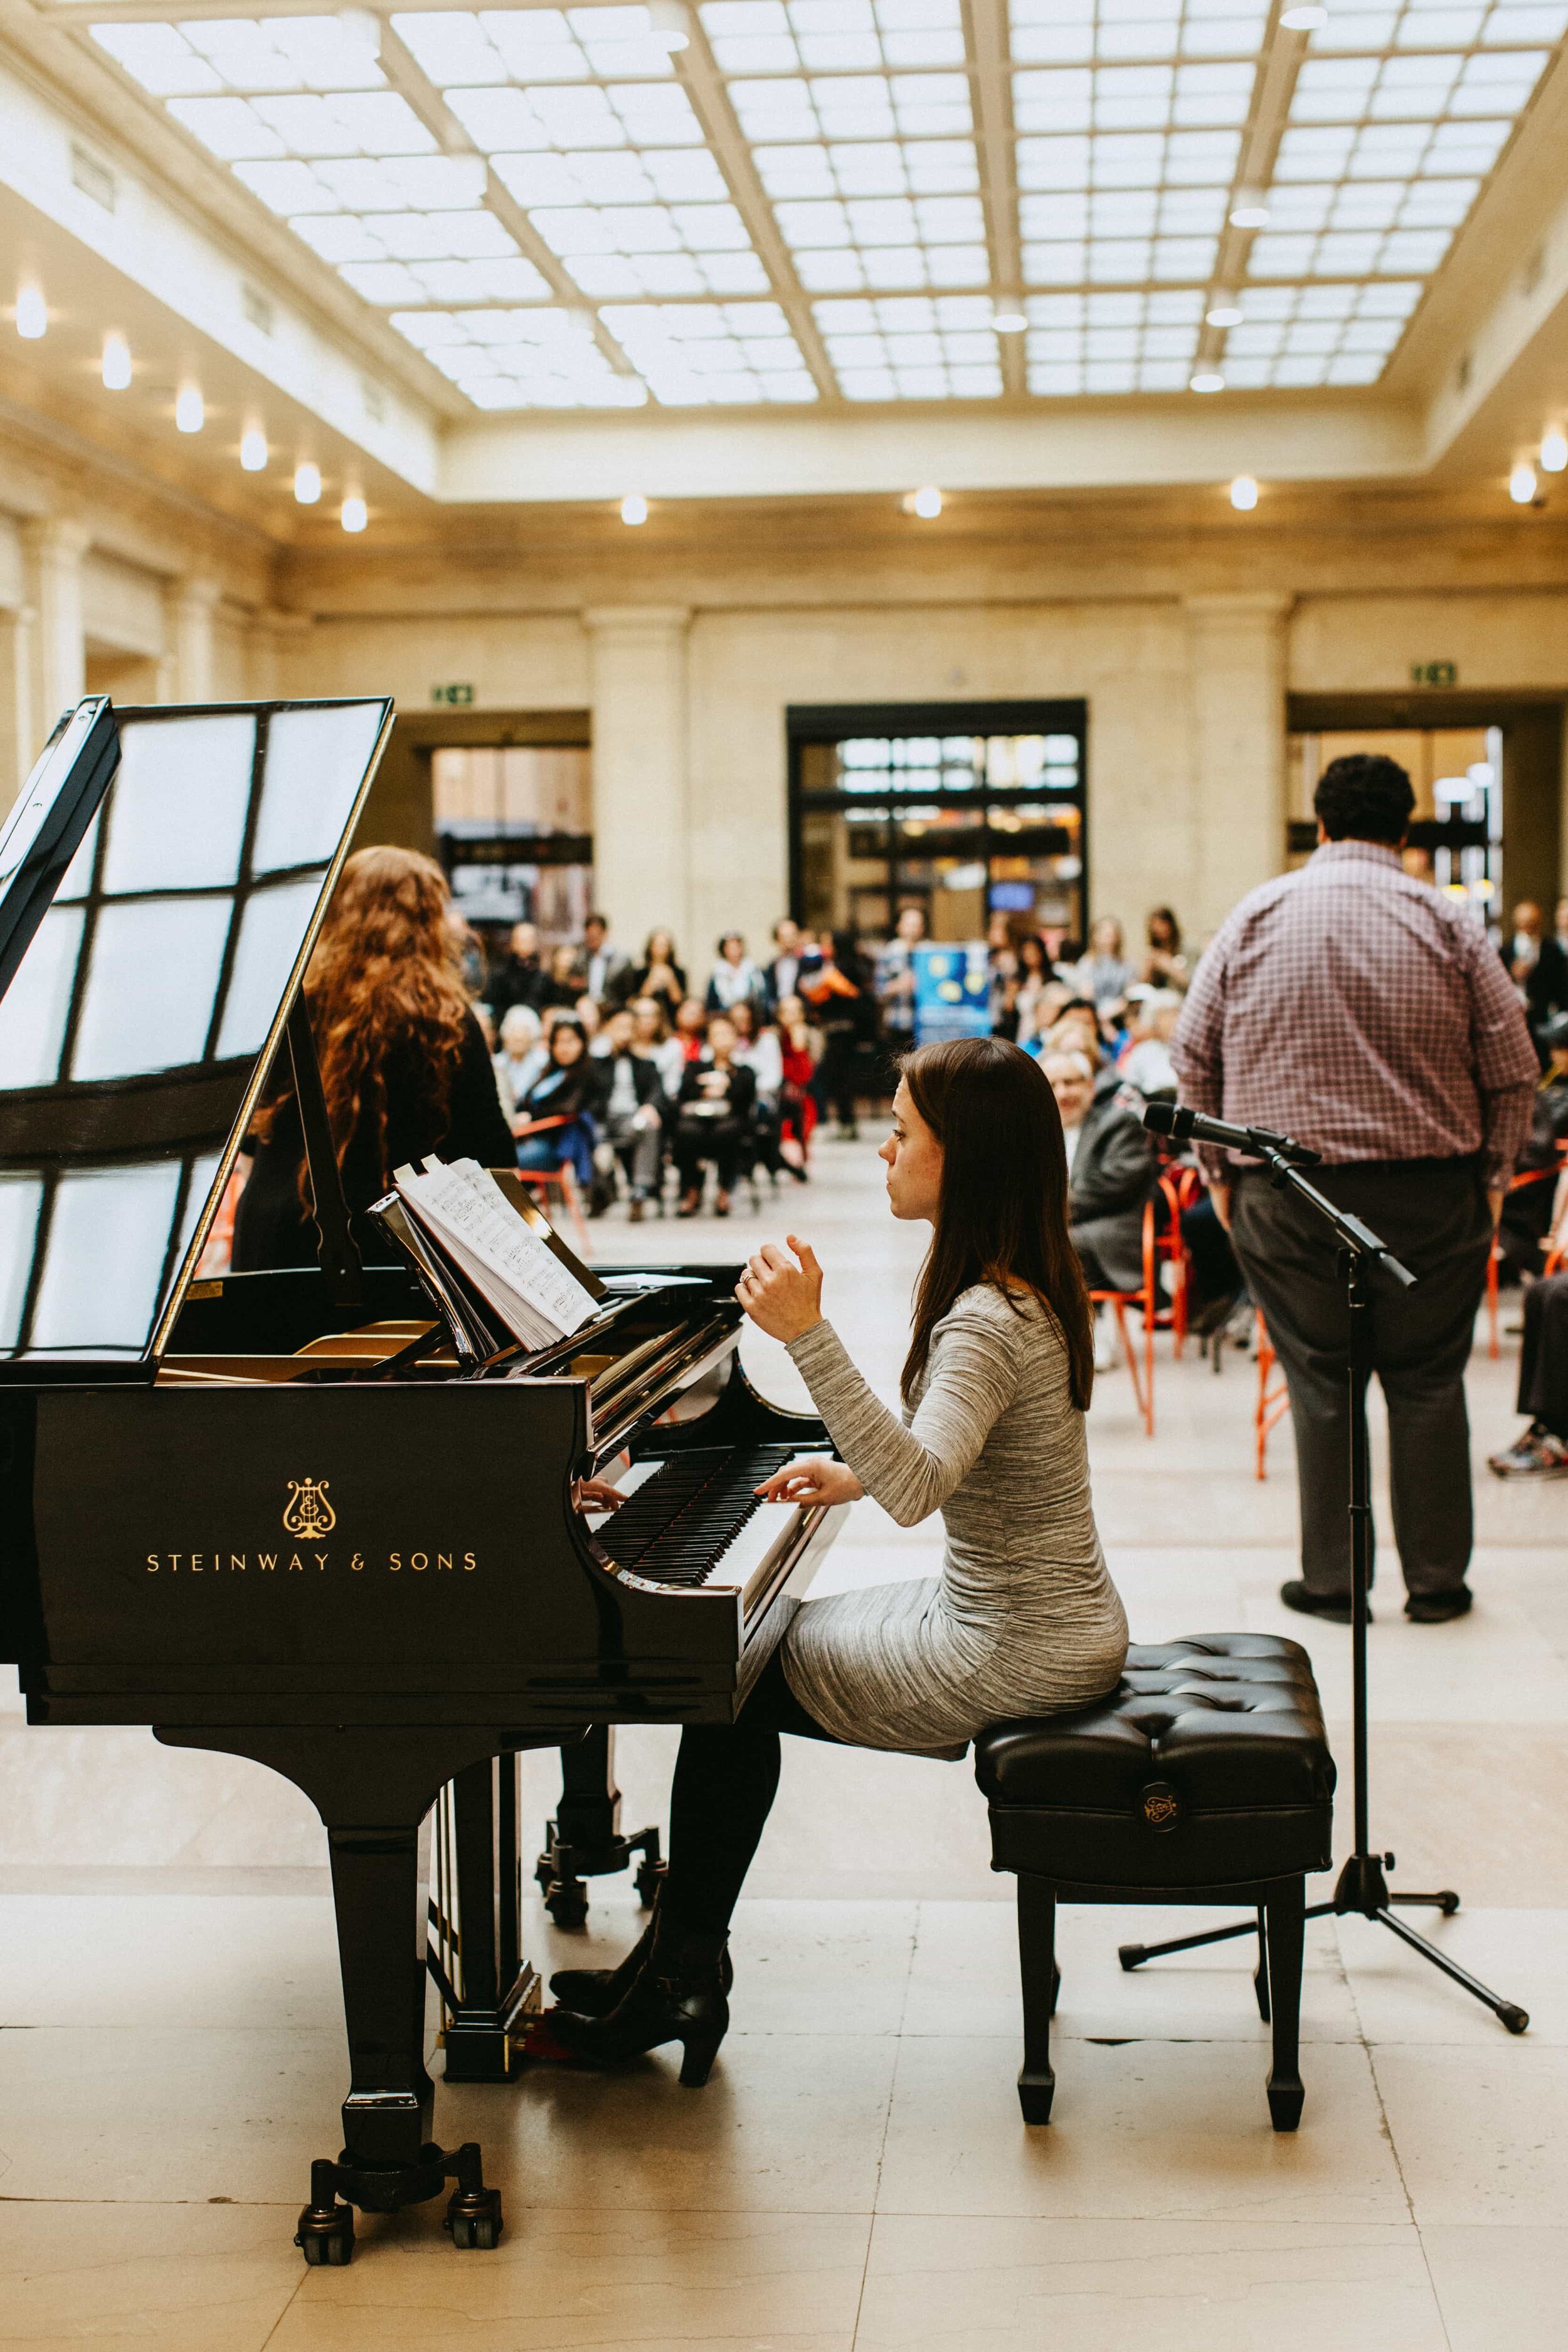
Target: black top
<point>701,1105</point>
<point>272,1227</point>
<point>519,980</point>
<point>558,1093</point>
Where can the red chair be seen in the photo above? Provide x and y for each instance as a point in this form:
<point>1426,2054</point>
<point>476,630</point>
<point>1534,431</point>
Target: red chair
<point>1147,1301</point>
<point>1273,1403</point>
<point>562,1180</point>
<point>1494,1256</point>
<point>1179,1186</point>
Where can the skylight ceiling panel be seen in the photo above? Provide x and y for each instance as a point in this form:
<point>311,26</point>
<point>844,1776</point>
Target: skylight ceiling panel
<point>291,53</point>
<point>912,347</point>
<point>854,106</point>
<point>787,36</point>
<point>543,359</point>
<point>1132,97</point>
<point>534,45</point>
<point>236,128</point>
<point>1047,32</point>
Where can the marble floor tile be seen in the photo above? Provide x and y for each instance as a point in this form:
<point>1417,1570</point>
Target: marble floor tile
<point>964,1978</point>
<point>105,2112</point>
<point>596,2281</point>
<point>1480,2135</point>
<point>127,2277</point>
<point>130,1961</point>
<point>1158,2130</point>
<point>1400,1996</point>
<point>1003,2285</point>
<point>1500,2288</point>
<point>788,2123</point>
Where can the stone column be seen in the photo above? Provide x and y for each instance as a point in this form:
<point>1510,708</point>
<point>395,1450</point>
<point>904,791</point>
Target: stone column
<point>641,835</point>
<point>1237,656</point>
<point>189,605</point>
<point>19,747</point>
<point>54,547</point>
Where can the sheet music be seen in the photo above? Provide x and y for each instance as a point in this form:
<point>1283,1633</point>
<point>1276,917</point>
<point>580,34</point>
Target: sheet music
<point>540,1298</point>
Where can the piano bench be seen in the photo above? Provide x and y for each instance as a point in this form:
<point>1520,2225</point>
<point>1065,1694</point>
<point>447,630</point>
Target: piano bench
<point>1204,1778</point>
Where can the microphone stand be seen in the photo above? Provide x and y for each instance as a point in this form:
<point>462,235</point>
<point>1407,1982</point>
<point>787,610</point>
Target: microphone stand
<point>1361,1886</point>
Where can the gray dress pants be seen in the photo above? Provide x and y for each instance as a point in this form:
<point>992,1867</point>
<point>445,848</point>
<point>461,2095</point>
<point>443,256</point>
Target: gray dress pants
<point>1434,1217</point>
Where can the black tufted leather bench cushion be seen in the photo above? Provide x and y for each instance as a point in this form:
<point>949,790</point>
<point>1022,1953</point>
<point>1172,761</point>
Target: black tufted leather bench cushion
<point>1207,1765</point>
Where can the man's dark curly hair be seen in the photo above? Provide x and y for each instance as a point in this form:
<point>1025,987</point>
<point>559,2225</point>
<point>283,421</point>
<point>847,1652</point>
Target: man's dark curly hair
<point>1365,797</point>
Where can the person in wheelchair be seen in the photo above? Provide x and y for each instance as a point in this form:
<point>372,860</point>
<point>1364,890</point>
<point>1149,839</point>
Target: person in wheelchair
<point>713,1119</point>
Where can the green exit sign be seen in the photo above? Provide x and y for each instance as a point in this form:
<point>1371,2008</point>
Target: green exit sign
<point>1434,673</point>
<point>457,697</point>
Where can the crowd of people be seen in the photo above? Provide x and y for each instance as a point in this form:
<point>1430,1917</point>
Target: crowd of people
<point>626,1067</point>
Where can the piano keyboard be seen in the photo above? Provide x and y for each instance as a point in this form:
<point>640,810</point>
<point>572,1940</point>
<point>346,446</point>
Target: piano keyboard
<point>692,1516</point>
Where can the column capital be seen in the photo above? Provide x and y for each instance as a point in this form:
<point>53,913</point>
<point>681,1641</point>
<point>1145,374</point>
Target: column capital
<point>195,590</point>
<point>57,535</point>
<point>633,620</point>
<point>1250,604</point>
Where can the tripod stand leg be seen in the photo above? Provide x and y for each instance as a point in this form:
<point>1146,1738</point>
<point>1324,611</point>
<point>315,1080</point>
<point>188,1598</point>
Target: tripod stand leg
<point>1133,1956</point>
<point>1445,1900</point>
<point>1511,2015</point>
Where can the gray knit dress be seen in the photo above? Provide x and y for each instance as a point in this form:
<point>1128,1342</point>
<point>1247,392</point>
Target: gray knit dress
<point>1024,1619</point>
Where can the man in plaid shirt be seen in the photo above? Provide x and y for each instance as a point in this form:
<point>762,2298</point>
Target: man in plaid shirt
<point>1366,1014</point>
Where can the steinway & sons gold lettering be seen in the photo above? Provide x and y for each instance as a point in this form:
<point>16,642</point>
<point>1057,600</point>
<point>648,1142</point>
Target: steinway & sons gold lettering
<point>307,1513</point>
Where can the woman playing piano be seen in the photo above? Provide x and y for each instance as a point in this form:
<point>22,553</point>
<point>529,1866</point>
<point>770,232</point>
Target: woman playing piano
<point>405,1065</point>
<point>1023,1619</point>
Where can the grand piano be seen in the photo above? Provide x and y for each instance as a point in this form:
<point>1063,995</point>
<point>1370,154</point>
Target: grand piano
<point>307,1517</point>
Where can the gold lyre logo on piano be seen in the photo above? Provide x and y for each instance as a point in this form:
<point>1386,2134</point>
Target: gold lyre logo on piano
<point>308,1513</point>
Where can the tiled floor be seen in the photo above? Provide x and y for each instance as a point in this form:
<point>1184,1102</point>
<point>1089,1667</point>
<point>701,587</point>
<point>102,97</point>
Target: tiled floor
<point>856,2173</point>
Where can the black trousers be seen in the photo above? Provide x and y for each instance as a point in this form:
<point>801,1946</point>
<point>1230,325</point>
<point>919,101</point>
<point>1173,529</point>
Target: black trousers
<point>1434,1217</point>
<point>720,1140</point>
<point>726,1778</point>
<point>1544,1358</point>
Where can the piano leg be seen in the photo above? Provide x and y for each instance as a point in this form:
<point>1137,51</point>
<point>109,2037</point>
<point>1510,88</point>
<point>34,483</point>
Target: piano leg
<point>374,1792</point>
<point>585,1839</point>
<point>476,1914</point>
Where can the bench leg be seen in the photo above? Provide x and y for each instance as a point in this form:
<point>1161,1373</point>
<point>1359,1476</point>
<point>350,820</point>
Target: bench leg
<point>1037,1968</point>
<point>1285,1924</point>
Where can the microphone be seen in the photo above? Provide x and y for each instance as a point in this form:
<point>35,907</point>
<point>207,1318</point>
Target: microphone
<point>1176,1119</point>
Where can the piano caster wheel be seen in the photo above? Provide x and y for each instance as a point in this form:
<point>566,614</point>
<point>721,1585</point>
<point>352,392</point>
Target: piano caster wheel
<point>566,1900</point>
<point>646,1881</point>
<point>326,2232</point>
<point>474,2219</point>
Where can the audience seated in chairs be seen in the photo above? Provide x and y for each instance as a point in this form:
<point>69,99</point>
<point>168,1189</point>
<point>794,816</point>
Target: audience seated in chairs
<point>519,978</point>
<point>713,1119</point>
<point>735,980</point>
<point>841,995</point>
<point>1542,1452</point>
<point>557,1117</point>
<point>1110,1172</point>
<point>661,974</point>
<point>799,1049</point>
<point>691,1025</point>
<point>1146,1063</point>
<point>652,1036</point>
<point>522,1056</point>
<point>630,1117</point>
<point>1527,1209</point>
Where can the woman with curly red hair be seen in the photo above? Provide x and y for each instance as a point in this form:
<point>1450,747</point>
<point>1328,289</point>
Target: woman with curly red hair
<point>405,1065</point>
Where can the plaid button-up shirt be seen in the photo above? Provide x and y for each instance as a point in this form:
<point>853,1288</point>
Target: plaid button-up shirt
<point>1364,1013</point>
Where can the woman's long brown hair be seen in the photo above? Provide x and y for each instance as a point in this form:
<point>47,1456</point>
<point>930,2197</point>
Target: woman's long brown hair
<point>1002,1214</point>
<point>383,988</point>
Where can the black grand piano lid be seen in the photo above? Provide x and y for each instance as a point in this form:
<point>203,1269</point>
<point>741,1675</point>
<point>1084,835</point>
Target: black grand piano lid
<point>142,1018</point>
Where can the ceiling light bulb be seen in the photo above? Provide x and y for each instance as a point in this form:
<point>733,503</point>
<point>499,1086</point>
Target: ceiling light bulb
<point>926,503</point>
<point>1008,322</point>
<point>1224,314</point>
<point>1244,494</point>
<point>1522,483</point>
<point>1553,451</point>
<point>190,410</point>
<point>353,514</point>
<point>32,313</point>
<point>1207,380</point>
<point>116,364</point>
<point>307,482</point>
<point>1250,213</point>
<point>634,508</point>
<point>1304,20</point>
<point>667,22</point>
<point>253,450</point>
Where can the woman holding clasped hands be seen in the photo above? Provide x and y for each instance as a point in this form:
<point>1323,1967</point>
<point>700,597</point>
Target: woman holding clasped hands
<point>1023,1619</point>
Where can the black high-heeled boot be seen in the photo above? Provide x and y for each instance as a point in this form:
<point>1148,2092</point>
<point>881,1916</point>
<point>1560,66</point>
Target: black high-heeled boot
<point>594,1992</point>
<point>678,1996</point>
